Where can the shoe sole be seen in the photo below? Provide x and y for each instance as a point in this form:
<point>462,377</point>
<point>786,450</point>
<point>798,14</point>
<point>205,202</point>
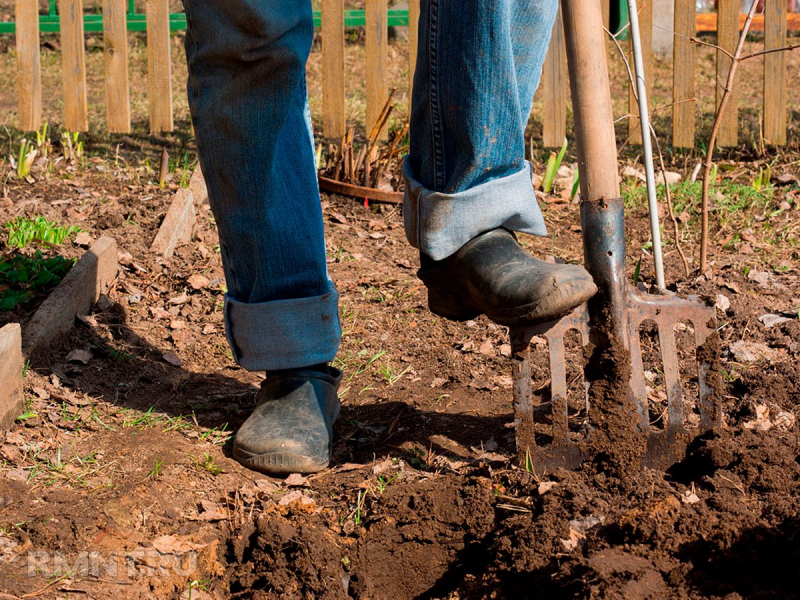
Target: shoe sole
<point>561,301</point>
<point>283,463</point>
<point>275,463</point>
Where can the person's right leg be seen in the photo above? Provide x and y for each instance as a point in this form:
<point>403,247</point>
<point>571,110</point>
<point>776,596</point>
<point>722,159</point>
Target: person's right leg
<point>468,184</point>
<point>247,94</point>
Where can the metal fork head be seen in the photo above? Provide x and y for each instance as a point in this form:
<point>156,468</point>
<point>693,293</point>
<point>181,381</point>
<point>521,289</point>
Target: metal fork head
<point>563,447</point>
<point>617,311</point>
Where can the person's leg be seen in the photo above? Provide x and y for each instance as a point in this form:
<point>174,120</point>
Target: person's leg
<point>247,95</point>
<point>467,181</point>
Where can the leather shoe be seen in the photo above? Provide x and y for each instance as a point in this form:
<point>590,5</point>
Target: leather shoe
<point>492,275</point>
<point>291,428</point>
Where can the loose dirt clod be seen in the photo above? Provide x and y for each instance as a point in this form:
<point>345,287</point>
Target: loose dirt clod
<point>616,442</point>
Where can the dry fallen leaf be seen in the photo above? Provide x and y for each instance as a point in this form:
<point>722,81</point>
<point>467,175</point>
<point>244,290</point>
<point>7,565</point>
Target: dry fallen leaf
<point>79,355</point>
<point>762,421</point>
<point>296,480</point>
<point>198,282</point>
<point>722,303</point>
<point>267,486</point>
<point>546,486</point>
<point>503,381</point>
<point>770,320</point>
<point>83,239</point>
<point>211,512</point>
<point>17,475</point>
<point>181,299</point>
<point>748,352</point>
<point>689,497</point>
<point>382,466</point>
<point>172,358</point>
<point>296,496</point>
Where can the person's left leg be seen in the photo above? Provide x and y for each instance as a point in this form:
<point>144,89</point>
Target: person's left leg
<point>468,185</point>
<point>247,94</point>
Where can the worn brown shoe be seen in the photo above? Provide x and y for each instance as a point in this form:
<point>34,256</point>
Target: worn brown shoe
<point>492,275</point>
<point>291,428</point>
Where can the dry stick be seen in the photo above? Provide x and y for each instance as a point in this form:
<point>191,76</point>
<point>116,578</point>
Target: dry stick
<point>726,94</point>
<point>669,204</point>
<point>164,171</point>
<point>373,136</point>
<point>386,157</point>
<point>770,51</point>
<point>660,158</point>
<point>700,42</point>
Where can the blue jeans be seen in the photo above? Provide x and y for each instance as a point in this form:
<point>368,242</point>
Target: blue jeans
<point>479,65</point>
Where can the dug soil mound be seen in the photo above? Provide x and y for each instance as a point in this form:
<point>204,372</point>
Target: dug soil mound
<point>119,479</point>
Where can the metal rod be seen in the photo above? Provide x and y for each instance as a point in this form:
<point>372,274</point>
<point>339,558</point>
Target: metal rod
<point>647,144</point>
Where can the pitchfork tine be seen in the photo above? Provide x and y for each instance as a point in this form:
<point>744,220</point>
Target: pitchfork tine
<point>638,387</point>
<point>672,374</point>
<point>558,386</point>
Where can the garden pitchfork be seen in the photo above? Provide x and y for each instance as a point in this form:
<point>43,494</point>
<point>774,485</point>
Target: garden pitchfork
<point>611,319</point>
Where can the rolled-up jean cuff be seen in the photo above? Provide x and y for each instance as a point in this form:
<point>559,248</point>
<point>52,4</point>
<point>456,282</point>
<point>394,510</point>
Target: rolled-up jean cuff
<point>283,334</point>
<point>439,224</point>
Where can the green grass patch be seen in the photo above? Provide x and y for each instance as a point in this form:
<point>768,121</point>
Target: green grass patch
<point>23,277</point>
<point>726,197</point>
<point>23,232</point>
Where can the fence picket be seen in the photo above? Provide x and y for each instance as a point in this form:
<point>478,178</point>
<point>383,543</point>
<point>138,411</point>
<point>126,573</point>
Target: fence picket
<point>684,105</point>
<point>333,105</point>
<point>115,39</point>
<point>377,43</point>
<point>114,23</point>
<point>775,73</point>
<point>646,30</point>
<point>159,65</point>
<point>29,72</point>
<point>73,64</point>
<point>554,82</point>
<point>727,36</point>
<point>413,42</point>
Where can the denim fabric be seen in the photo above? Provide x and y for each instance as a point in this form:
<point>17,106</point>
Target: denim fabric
<point>247,94</point>
<point>479,65</point>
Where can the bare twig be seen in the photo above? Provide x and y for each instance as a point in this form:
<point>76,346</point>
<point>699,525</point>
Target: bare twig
<point>700,42</point>
<point>631,78</point>
<point>669,204</point>
<point>770,51</point>
<point>723,103</point>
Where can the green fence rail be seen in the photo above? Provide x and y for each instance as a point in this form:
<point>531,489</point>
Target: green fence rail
<point>50,23</point>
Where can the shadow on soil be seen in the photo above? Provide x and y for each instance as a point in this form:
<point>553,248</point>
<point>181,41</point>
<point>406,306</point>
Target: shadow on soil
<point>140,379</point>
<point>764,562</point>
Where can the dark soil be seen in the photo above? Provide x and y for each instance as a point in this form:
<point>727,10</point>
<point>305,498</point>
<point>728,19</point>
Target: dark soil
<point>123,485</point>
<point>129,454</point>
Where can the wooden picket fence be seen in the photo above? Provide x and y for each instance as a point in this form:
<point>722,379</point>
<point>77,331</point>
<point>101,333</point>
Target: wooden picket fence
<point>376,20</point>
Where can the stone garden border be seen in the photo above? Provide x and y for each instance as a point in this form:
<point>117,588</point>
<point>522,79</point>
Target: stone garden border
<point>179,222</point>
<point>90,277</point>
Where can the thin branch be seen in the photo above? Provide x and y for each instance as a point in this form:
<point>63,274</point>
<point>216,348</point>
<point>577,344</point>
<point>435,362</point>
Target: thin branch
<point>700,42</point>
<point>631,78</point>
<point>763,52</point>
<point>669,203</point>
<point>723,103</point>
